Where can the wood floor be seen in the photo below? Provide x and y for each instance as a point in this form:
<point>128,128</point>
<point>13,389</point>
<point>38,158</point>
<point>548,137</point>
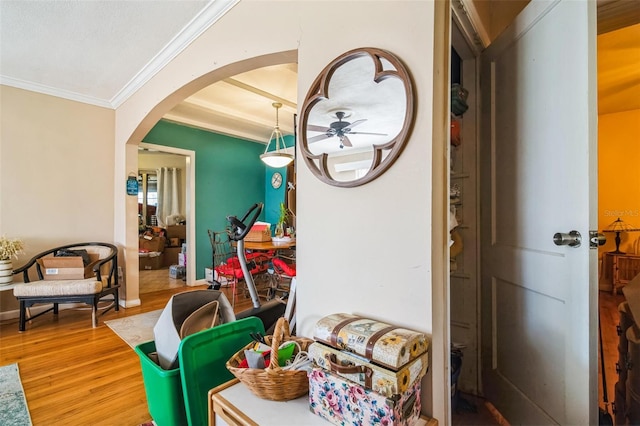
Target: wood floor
<point>73,374</point>
<point>610,318</point>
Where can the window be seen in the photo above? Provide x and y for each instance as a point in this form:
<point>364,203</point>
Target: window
<point>147,197</point>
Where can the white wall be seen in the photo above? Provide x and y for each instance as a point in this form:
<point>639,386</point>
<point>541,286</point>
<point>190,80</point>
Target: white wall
<point>365,250</point>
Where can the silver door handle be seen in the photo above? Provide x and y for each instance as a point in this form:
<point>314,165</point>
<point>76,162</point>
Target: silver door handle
<point>596,239</point>
<point>572,239</point>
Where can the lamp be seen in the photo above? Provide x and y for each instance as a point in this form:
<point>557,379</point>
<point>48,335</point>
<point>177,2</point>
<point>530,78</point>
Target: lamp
<point>278,157</point>
<point>619,226</point>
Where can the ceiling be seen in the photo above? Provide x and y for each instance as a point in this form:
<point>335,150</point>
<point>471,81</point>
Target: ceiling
<point>100,52</point>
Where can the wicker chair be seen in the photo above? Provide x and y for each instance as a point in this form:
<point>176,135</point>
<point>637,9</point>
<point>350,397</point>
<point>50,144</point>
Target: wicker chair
<point>103,281</point>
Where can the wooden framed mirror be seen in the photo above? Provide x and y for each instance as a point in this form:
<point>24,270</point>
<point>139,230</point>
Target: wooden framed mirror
<point>356,117</point>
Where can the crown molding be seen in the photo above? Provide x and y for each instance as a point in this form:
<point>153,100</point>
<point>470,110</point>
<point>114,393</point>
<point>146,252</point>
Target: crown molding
<point>470,24</point>
<point>52,91</point>
<point>199,24</point>
<point>208,16</point>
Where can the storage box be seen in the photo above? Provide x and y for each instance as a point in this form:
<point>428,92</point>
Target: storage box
<point>177,271</point>
<point>170,256</point>
<point>177,231</point>
<point>208,275</point>
<point>372,377</point>
<point>383,344</point>
<point>259,233</point>
<point>67,267</point>
<point>211,275</point>
<point>343,402</point>
<point>150,262</point>
<point>152,243</point>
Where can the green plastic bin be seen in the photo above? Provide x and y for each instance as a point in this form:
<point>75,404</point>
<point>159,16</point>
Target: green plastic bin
<point>179,397</point>
<point>163,389</point>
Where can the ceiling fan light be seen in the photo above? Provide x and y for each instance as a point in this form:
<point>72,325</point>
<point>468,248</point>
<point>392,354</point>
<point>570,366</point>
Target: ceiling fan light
<point>276,159</point>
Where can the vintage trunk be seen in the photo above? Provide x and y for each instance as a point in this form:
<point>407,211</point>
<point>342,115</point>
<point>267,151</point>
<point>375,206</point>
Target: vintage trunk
<point>381,343</point>
<point>343,402</point>
<point>371,376</point>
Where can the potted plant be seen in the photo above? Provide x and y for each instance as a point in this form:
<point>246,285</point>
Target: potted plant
<point>9,248</point>
<point>282,219</point>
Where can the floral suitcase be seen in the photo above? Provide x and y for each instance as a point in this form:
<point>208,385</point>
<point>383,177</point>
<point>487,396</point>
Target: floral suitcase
<point>381,343</point>
<point>372,377</point>
<point>343,402</point>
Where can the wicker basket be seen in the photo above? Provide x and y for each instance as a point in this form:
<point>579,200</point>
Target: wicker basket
<point>273,382</point>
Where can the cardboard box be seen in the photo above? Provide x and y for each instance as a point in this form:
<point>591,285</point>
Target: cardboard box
<point>170,255</point>
<point>177,231</point>
<point>150,262</point>
<point>67,268</point>
<point>152,243</point>
<point>259,233</point>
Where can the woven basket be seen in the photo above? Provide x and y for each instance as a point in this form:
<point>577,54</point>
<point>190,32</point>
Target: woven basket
<point>273,382</point>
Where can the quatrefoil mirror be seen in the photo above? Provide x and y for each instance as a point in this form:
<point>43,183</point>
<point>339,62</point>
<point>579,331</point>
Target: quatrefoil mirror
<point>356,117</point>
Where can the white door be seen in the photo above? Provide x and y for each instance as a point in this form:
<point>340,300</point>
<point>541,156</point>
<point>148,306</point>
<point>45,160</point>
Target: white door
<point>538,178</point>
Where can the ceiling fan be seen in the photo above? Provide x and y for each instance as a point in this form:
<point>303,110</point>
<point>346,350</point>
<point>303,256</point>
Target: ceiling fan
<point>340,129</point>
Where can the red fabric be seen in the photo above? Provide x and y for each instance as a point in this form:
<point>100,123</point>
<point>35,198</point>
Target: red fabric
<point>233,268</point>
<point>455,132</point>
<point>284,268</point>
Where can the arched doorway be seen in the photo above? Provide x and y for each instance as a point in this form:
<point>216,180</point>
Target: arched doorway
<point>147,122</point>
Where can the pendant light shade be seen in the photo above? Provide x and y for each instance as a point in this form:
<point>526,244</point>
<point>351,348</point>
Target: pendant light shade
<point>277,157</point>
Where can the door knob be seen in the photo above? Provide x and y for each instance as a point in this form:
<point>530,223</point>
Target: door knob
<point>572,239</point>
<point>596,239</point>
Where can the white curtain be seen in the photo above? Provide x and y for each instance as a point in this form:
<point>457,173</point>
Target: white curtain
<point>168,194</point>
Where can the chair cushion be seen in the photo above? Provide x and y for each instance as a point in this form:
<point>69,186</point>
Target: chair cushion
<point>58,288</point>
<point>284,268</point>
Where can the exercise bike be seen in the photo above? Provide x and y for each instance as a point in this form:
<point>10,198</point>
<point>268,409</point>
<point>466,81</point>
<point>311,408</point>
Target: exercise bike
<point>270,311</point>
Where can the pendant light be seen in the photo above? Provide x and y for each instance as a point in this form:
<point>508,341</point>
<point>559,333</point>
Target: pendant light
<point>278,157</point>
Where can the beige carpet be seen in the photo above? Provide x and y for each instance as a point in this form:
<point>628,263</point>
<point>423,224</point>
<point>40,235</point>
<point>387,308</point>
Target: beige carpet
<point>135,329</point>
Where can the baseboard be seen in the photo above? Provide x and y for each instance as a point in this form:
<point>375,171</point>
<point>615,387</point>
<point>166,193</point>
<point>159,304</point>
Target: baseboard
<point>9,315</point>
<point>130,303</point>
<point>605,287</point>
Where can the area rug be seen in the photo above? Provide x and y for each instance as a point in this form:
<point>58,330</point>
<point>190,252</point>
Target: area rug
<point>13,404</point>
<point>135,329</point>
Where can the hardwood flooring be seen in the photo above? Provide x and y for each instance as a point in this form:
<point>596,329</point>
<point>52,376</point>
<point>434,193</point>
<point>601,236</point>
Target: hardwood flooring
<point>610,318</point>
<point>74,374</point>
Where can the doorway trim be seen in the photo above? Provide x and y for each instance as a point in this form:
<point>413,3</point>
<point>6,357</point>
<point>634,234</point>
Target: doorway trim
<point>190,202</point>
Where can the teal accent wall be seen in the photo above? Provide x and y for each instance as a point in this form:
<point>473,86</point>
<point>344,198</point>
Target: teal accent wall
<point>230,178</point>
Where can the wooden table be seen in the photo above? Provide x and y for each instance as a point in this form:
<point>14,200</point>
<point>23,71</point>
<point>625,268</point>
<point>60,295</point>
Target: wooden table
<point>232,403</point>
<point>268,245</point>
